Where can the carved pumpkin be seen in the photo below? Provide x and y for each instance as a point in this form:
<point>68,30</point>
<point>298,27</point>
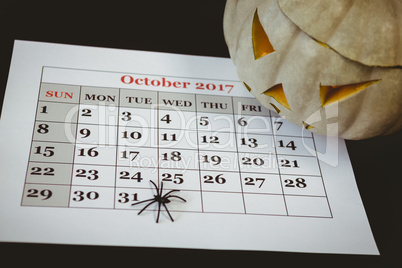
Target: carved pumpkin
<point>315,68</point>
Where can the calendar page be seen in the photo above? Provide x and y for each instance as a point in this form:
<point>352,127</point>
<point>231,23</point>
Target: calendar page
<point>130,148</point>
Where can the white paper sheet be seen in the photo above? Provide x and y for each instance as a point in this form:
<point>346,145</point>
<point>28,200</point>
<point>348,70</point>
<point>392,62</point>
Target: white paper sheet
<point>83,131</point>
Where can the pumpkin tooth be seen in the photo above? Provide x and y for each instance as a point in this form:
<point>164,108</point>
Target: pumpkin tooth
<point>276,108</point>
<point>307,126</point>
<point>248,88</point>
<point>331,94</point>
<point>278,94</point>
<point>261,44</point>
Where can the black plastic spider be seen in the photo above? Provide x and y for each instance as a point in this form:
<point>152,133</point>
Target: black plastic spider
<point>162,200</point>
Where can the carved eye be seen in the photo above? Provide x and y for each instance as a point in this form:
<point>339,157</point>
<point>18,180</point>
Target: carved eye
<point>278,94</point>
<point>331,94</point>
<point>261,44</point>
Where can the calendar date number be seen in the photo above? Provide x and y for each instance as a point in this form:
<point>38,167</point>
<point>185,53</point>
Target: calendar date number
<point>46,194</point>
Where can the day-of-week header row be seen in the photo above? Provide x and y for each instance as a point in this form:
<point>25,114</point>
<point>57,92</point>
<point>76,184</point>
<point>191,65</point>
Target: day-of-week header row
<point>149,99</point>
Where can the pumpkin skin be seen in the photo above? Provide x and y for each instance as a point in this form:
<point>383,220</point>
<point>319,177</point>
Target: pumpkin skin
<point>303,66</point>
<point>367,31</point>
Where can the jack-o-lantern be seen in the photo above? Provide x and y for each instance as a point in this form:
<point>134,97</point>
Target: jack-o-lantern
<point>323,65</point>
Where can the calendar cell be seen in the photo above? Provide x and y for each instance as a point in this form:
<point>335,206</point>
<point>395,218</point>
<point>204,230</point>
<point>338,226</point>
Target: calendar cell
<point>125,197</point>
<point>294,146</point>
<point>99,96</point>
<point>261,183</point>
<point>298,165</point>
<point>255,143</point>
<point>215,122</point>
<point>265,204</point>
<point>43,195</point>
<point>49,173</point>
<point>264,163</point>
<point>92,175</point>
<point>59,93</point>
<point>180,179</point>
<point>92,197</point>
<point>178,159</point>
<point>95,154</point>
<point>54,132</point>
<point>249,106</point>
<point>139,118</point>
<point>176,119</point>
<point>43,151</point>
<point>217,141</point>
<point>253,124</point>
<point>193,202</point>
<point>57,112</point>
<point>178,138</point>
<point>220,181</point>
<point>217,104</point>
<point>98,114</point>
<point>282,127</point>
<point>142,99</point>
<point>307,206</point>
<point>223,202</point>
<point>96,134</point>
<point>138,137</point>
<point>302,185</point>
<point>218,161</point>
<point>137,157</point>
<point>176,102</point>
<point>135,177</point>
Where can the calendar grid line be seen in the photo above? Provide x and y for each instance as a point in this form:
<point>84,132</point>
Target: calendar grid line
<point>198,155</point>
<point>208,108</point>
<point>190,169</point>
<point>157,135</point>
<point>117,142</point>
<point>280,177</point>
<point>181,148</point>
<point>184,190</point>
<point>238,161</point>
<point>189,130</point>
<point>72,163</point>
<point>323,184</point>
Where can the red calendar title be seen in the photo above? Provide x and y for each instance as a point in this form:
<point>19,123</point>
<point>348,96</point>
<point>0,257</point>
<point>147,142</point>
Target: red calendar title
<point>168,83</point>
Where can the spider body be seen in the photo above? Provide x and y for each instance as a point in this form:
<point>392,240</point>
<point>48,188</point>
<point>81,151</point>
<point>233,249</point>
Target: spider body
<point>162,200</point>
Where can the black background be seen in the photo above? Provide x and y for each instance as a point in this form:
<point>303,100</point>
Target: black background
<point>195,28</point>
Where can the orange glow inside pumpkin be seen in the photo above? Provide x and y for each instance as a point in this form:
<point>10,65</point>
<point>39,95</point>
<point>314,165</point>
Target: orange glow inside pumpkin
<point>331,94</point>
<point>278,94</point>
<point>261,44</point>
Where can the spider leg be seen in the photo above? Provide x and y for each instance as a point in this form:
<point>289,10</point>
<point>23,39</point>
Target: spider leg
<point>156,188</point>
<point>159,212</point>
<point>168,211</point>
<point>146,207</point>
<point>170,192</point>
<point>160,190</point>
<point>142,201</point>
<point>181,198</point>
